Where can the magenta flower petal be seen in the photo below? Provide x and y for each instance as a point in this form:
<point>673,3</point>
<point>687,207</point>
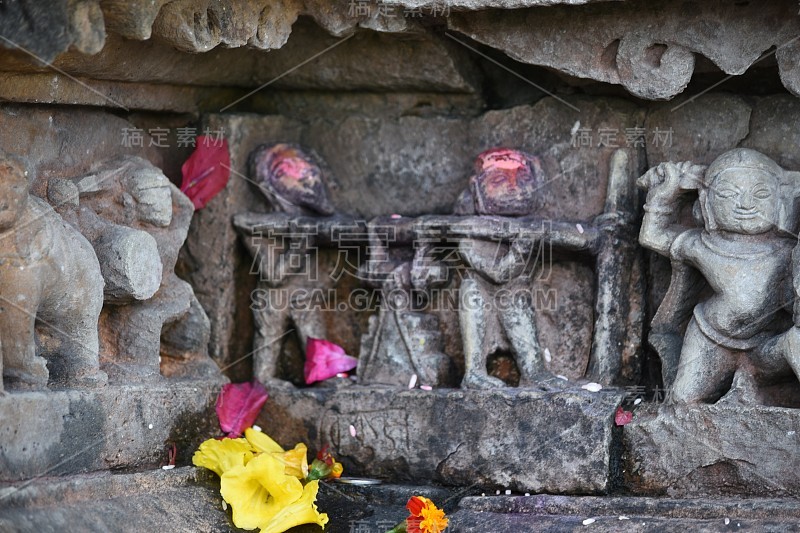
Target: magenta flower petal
<point>623,417</point>
<point>325,359</point>
<point>207,170</point>
<point>238,406</point>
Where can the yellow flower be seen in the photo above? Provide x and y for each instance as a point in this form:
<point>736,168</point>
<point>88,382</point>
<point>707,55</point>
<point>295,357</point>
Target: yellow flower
<point>257,492</point>
<point>295,461</point>
<point>261,442</point>
<point>303,511</point>
<point>222,455</point>
<point>263,496</point>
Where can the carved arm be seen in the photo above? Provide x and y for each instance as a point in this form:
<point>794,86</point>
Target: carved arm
<point>666,187</point>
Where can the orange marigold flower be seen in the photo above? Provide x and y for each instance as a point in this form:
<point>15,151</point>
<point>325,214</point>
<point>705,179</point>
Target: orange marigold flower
<point>425,516</point>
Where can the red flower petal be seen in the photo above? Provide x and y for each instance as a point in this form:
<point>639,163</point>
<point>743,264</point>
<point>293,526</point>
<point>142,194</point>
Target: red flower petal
<point>412,524</point>
<point>415,505</point>
<point>325,359</point>
<point>622,417</point>
<point>207,170</point>
<point>238,405</point>
<point>325,455</point>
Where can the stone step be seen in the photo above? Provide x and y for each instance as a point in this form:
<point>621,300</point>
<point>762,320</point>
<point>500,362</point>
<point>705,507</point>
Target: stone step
<point>536,513</point>
<point>178,500</point>
<point>526,440</point>
<point>187,500</point>
<point>561,442</point>
<point>62,432</point>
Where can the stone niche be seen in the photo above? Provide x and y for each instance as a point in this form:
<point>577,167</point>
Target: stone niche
<point>85,182</point>
<point>476,247</point>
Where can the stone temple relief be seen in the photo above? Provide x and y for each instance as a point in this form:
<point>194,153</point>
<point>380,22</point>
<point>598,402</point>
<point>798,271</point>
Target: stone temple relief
<point>486,262</point>
<point>535,260</point>
<point>90,281</point>
<point>51,289</point>
<point>734,278</point>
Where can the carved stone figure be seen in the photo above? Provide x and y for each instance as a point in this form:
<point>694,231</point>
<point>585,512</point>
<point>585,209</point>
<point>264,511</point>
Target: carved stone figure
<point>506,256</point>
<point>291,179</point>
<point>732,276</point>
<point>504,183</point>
<point>294,184</point>
<point>403,340</point>
<point>50,284</point>
<point>137,221</point>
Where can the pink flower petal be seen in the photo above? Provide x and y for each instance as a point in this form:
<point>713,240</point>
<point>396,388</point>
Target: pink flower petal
<point>207,171</point>
<point>622,417</point>
<point>238,406</point>
<point>325,359</point>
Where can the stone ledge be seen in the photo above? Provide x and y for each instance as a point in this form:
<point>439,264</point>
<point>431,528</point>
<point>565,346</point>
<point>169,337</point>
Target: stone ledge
<point>187,499</point>
<point>518,439</point>
<point>614,506</point>
<point>711,450</point>
<point>56,433</point>
<point>471,521</point>
<point>176,500</point>
<point>613,42</point>
<point>47,88</point>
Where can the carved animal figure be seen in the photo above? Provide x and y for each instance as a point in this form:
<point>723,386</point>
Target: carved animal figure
<point>51,291</point>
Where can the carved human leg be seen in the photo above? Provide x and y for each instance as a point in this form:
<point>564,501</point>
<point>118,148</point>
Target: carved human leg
<point>271,323</point>
<point>472,314</point>
<point>706,369</point>
<point>778,357</point>
<point>520,328</point>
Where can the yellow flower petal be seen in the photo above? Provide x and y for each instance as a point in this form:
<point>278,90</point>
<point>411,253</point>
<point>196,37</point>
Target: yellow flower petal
<point>261,442</point>
<point>222,455</point>
<point>260,491</point>
<point>271,473</point>
<point>247,497</point>
<point>302,511</point>
<point>433,520</point>
<point>295,461</point>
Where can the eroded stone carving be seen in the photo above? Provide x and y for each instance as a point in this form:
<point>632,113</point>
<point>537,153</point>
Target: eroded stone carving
<point>505,183</point>
<point>648,48</point>
<point>732,253</point>
<point>51,289</point>
<point>500,249</point>
<point>285,252</point>
<point>403,340</point>
<point>137,221</point>
<point>505,256</point>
